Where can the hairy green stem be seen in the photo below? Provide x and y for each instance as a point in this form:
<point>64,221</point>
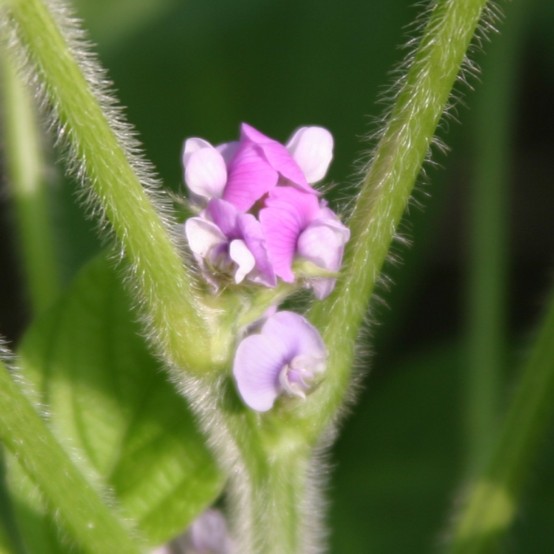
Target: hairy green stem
<point>78,505</point>
<point>164,285</point>
<point>277,496</point>
<point>488,241</point>
<point>25,164</point>
<point>386,190</point>
<point>270,495</point>
<point>269,467</point>
<point>9,536</point>
<point>493,495</point>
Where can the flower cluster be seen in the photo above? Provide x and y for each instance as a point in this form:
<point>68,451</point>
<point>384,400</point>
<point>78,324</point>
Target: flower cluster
<point>258,210</point>
<point>259,220</point>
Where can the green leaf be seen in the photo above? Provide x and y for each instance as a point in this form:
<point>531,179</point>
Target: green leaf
<point>112,407</point>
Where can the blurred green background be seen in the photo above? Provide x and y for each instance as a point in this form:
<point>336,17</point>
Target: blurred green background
<point>185,68</point>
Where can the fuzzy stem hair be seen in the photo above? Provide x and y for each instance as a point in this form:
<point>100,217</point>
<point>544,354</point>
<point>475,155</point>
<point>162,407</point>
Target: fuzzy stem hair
<point>120,188</point>
<point>80,507</point>
<point>387,185</point>
<point>275,475</point>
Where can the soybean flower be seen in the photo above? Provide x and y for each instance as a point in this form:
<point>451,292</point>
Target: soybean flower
<point>287,357</point>
<point>257,210</point>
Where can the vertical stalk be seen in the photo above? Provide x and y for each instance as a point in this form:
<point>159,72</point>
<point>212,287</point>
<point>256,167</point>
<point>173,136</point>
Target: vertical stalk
<point>277,501</point>
<point>486,293</point>
<point>387,187</point>
<point>269,463</point>
<point>493,495</point>
<point>76,504</point>
<point>10,541</point>
<point>25,164</point>
<point>106,158</point>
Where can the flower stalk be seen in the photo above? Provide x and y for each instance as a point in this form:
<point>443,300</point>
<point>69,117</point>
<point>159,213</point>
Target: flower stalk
<point>493,495</point>
<point>25,164</point>
<point>278,494</point>
<point>267,445</point>
<point>492,137</point>
<point>99,144</point>
<point>271,497</point>
<point>78,505</point>
<point>386,190</point>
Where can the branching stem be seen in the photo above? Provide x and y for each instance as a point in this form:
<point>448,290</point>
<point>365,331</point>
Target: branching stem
<point>386,190</point>
<point>85,516</point>
<point>113,174</point>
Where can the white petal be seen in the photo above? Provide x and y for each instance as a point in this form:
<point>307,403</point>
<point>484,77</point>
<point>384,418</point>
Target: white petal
<point>322,245</point>
<point>192,145</point>
<point>239,253</point>
<point>165,549</point>
<point>206,172</point>
<point>203,235</point>
<point>312,150</point>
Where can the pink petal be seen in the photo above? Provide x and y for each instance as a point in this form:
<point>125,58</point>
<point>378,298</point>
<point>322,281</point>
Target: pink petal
<point>224,215</point>
<point>278,157</point>
<point>228,150</point>
<point>312,149</point>
<point>323,245</point>
<point>207,534</point>
<point>305,205</point>
<point>252,134</point>
<point>250,177</point>
<point>281,227</point>
<point>322,287</point>
<point>285,357</point>
<point>288,211</point>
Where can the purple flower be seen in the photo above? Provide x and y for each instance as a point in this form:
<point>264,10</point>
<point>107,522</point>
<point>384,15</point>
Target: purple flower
<point>287,357</point>
<point>287,212</point>
<point>298,225</point>
<point>261,213</point>
<point>228,241</point>
<point>322,243</point>
<point>207,534</point>
<point>258,166</point>
<point>243,172</point>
